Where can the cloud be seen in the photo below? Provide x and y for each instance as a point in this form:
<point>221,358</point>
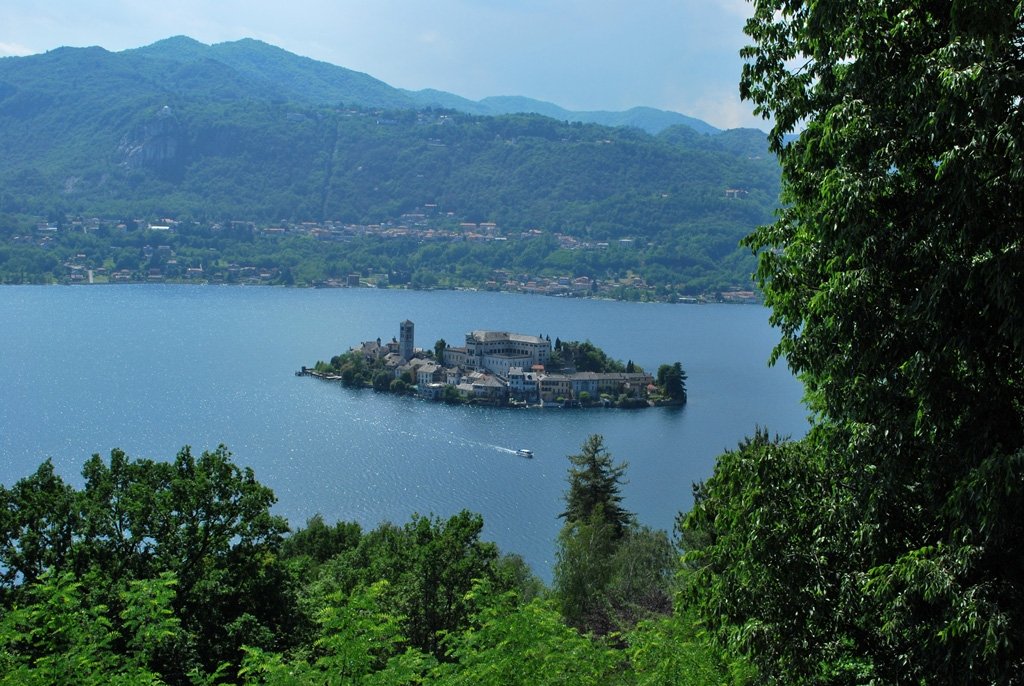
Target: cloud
<point>724,109</point>
<point>14,50</point>
<point>737,8</point>
<point>430,37</point>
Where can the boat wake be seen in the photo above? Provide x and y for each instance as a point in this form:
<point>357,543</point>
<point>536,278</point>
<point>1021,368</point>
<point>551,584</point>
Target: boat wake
<point>522,452</point>
<point>453,439</point>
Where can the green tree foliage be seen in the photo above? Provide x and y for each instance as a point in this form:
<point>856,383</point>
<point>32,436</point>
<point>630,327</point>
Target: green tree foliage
<point>610,573</point>
<point>177,573</point>
<point>768,547</point>
<point>583,570</point>
<point>607,585</point>
<point>642,571</point>
<point>62,635</point>
<point>358,642</point>
<point>669,651</point>
<point>672,380</point>
<point>205,520</point>
<point>510,644</point>
<point>382,381</point>
<point>385,656</point>
<point>320,541</point>
<point>892,272</point>
<point>452,395</point>
<point>39,520</point>
<point>595,488</point>
<point>429,566</point>
<point>583,357</point>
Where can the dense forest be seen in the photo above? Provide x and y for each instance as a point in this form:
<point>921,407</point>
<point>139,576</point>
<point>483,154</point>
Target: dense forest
<point>163,136</point>
<point>177,572</point>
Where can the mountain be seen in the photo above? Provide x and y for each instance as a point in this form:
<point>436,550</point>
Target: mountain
<point>647,119</point>
<point>283,74</point>
<point>245,130</point>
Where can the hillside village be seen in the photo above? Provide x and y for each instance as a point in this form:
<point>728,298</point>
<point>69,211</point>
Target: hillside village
<point>84,250</point>
<point>502,368</point>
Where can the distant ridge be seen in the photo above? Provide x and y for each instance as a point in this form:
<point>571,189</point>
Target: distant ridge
<point>294,77</point>
<point>322,83</point>
<point>647,118</point>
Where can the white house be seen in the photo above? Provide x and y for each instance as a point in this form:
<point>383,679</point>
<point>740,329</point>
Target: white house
<point>522,385</point>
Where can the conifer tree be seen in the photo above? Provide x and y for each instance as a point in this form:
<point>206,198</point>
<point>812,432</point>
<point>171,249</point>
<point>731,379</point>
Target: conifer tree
<point>594,488</point>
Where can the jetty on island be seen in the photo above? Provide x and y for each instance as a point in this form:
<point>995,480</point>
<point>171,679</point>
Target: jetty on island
<point>501,368</point>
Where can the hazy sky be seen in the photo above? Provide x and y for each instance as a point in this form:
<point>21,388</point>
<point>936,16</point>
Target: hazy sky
<point>679,55</point>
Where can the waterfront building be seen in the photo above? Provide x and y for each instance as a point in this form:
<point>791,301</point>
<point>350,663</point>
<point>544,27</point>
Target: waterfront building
<point>522,385</point>
<point>551,387</point>
<point>429,373</point>
<point>499,352</point>
<point>371,350</point>
<point>483,386</point>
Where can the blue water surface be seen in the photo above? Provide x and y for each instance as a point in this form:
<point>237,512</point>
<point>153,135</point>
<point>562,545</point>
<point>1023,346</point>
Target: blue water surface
<point>152,368</point>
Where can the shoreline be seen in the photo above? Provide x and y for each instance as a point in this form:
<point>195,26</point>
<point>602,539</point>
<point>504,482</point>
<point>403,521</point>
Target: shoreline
<point>684,300</point>
<point>509,405</point>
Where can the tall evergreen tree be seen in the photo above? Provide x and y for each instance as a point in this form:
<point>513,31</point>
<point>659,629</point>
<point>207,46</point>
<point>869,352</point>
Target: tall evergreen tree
<point>594,488</point>
<point>611,572</point>
<point>674,381</point>
<point>595,524</point>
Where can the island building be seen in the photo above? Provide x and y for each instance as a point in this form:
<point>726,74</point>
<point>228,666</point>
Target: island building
<point>499,352</point>
<point>405,340</point>
<point>497,366</point>
<point>523,385</point>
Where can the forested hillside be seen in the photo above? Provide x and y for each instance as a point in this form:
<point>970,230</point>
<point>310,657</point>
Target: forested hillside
<point>184,131</point>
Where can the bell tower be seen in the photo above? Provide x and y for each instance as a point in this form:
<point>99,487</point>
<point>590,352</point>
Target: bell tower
<point>405,340</point>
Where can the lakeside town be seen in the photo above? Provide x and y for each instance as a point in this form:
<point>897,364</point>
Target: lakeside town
<point>500,368</point>
<point>169,251</point>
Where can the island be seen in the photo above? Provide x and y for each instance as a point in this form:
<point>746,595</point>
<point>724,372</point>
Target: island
<point>500,368</point>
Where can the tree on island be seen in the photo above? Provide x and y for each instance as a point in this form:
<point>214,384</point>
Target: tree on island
<point>584,357</point>
<point>672,379</point>
<point>382,381</point>
<point>452,395</point>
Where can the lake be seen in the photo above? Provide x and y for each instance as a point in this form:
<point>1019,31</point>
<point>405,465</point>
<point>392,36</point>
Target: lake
<point>152,368</point>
